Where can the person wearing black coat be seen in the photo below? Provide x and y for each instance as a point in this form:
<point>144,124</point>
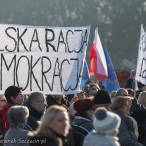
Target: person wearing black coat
<point>37,105</point>
<point>57,100</point>
<point>139,114</point>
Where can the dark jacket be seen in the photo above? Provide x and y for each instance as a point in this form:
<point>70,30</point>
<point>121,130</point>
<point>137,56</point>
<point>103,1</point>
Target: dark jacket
<point>52,101</point>
<point>83,122</point>
<point>126,134</point>
<point>53,140</point>
<point>1,132</point>
<point>139,114</point>
<point>34,116</point>
<point>81,127</point>
<point>129,83</point>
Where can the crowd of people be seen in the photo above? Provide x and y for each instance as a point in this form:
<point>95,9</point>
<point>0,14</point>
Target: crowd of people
<point>92,117</point>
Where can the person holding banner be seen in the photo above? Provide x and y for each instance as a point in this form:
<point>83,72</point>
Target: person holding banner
<point>14,96</point>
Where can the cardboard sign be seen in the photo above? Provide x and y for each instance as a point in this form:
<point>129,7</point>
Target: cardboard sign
<point>48,59</point>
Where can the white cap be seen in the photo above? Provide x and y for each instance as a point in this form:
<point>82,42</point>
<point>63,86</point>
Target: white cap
<point>106,122</point>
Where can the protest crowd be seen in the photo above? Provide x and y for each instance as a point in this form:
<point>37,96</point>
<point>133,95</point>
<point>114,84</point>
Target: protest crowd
<point>89,118</point>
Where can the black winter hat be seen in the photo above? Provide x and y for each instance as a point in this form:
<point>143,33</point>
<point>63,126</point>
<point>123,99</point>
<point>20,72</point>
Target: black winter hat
<point>102,97</point>
<point>12,91</point>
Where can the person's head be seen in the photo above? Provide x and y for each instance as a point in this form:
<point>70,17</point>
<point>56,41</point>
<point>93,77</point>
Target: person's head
<point>122,92</point>
<point>142,98</point>
<point>122,104</point>
<point>2,99</point>
<point>55,118</point>
<point>89,82</point>
<point>106,122</point>
<point>130,92</point>
<point>57,97</point>
<point>18,114</point>
<point>14,95</point>
<point>38,101</point>
<point>92,91</point>
<point>102,99</point>
<point>25,96</point>
<point>84,108</point>
<point>113,93</point>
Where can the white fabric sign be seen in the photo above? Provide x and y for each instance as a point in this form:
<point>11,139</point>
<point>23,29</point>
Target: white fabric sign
<point>48,59</point>
<point>141,61</point>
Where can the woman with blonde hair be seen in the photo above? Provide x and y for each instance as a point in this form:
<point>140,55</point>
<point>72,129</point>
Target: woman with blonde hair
<point>121,106</point>
<point>53,128</point>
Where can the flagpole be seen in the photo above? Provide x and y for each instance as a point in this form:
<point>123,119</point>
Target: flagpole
<point>135,88</point>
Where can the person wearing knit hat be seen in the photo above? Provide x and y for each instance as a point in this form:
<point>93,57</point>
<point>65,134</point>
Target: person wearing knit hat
<point>82,123</point>
<point>106,126</point>
<point>102,99</point>
<point>14,96</point>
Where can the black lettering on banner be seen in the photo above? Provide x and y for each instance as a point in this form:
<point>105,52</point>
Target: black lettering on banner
<point>6,47</point>
<point>49,40</point>
<point>85,40</point>
<point>8,67</point>
<point>56,74</point>
<point>44,72</point>
<point>81,31</point>
<point>143,69</point>
<point>20,59</point>
<point>19,36</point>
<point>61,80</point>
<point>143,43</point>
<point>67,40</point>
<point>61,40</point>
<point>35,34</point>
<point>32,73</point>
<point>77,76</point>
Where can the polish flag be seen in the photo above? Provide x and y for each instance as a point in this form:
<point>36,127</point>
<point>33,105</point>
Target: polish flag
<point>98,64</point>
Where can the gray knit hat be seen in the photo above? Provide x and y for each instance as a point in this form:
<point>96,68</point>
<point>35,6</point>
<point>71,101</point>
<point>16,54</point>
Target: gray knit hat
<point>105,122</point>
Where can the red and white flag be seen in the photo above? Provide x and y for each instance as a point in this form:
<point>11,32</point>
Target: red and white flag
<point>98,64</point>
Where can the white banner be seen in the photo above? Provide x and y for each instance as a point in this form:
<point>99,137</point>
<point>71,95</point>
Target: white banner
<point>48,59</point>
<point>141,61</point>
